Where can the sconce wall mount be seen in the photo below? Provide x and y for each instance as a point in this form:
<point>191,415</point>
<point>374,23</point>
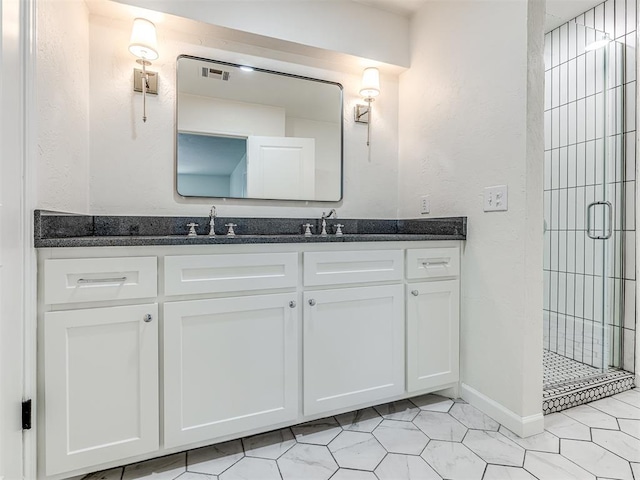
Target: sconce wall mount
<point>152,81</point>
<point>369,90</point>
<point>143,44</point>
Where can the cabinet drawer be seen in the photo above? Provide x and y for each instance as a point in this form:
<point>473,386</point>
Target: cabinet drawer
<point>330,268</point>
<point>191,274</point>
<point>433,262</point>
<point>74,280</point>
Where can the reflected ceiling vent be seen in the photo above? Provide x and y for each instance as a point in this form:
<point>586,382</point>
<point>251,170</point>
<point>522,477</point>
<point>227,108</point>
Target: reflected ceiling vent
<point>215,73</point>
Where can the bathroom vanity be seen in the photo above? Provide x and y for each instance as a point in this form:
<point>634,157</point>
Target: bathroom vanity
<point>155,348</point>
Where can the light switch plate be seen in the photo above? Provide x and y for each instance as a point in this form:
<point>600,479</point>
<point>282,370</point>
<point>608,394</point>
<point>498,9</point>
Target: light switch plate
<point>496,198</point>
<point>425,204</point>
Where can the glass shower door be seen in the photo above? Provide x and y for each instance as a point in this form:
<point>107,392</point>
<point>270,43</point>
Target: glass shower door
<point>580,202</point>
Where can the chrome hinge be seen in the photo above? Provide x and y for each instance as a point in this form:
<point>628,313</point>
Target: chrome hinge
<point>26,415</point>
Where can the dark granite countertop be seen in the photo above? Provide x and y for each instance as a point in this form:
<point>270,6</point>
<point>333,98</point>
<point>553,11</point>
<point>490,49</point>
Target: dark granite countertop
<point>53,229</point>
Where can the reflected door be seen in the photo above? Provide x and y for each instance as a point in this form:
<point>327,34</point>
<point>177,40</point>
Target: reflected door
<point>280,167</point>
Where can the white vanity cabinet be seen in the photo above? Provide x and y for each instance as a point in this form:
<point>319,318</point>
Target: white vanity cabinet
<point>433,318</point>
<point>147,351</point>
<point>353,336</point>
<point>230,365</point>
<point>100,363</point>
<point>353,346</point>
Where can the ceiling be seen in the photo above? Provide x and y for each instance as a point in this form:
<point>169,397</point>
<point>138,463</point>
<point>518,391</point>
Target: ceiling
<point>558,11</point>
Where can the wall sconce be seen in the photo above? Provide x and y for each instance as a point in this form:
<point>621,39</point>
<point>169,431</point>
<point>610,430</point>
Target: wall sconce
<point>370,88</point>
<point>144,45</point>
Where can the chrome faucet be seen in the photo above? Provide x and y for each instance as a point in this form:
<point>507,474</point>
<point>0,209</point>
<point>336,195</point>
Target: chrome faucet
<point>212,221</point>
<point>332,213</point>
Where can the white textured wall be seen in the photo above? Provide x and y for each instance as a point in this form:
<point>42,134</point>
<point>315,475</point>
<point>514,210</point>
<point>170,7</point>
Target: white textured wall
<point>63,105</point>
<point>468,120</point>
<point>132,163</point>
<point>339,26</point>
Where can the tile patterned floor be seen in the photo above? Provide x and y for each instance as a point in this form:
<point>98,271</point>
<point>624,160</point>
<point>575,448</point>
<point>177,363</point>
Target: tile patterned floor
<point>560,370</point>
<point>568,383</point>
<point>429,437</point>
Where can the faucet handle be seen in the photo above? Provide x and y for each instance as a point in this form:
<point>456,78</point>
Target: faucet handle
<point>192,229</point>
<point>339,229</point>
<point>230,232</point>
<point>307,229</point>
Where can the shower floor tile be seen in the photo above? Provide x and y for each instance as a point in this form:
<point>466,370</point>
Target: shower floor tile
<point>559,370</point>
<point>568,383</point>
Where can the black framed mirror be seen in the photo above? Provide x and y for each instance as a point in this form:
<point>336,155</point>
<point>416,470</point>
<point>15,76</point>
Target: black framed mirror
<point>246,132</point>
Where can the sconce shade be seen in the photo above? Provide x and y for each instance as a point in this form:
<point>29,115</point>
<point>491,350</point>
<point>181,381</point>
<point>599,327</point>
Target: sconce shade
<point>370,83</point>
<point>144,43</point>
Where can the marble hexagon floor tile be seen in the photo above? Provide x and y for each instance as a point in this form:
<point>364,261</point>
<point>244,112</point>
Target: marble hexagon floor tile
<point>163,468</point>
<point>250,468</point>
<point>317,432</point>
<point>616,408</point>
<point>215,459</point>
<point>632,397</point>
<point>112,474</point>
<point>346,474</point>
<point>196,476</point>
<point>357,450</point>
<point>365,420</point>
<point>542,442</point>
<point>433,403</point>
<point>453,460</point>
<point>564,427</point>
<point>405,467</point>
<point>269,445</point>
<point>471,417</point>
<point>309,462</point>
<point>500,472</point>
<point>576,444</point>
<point>630,427</point>
<point>401,437</point>
<point>493,447</point>
<point>400,410</point>
<point>620,443</point>
<point>592,417</point>
<point>440,426</point>
<point>596,459</point>
<point>554,466</point>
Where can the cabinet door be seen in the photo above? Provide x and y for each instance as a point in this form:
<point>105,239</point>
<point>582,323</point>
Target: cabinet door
<point>101,385</point>
<point>353,346</point>
<point>230,365</point>
<point>432,334</point>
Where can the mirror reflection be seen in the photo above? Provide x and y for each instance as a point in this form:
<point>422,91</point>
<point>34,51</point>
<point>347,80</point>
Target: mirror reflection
<point>250,133</point>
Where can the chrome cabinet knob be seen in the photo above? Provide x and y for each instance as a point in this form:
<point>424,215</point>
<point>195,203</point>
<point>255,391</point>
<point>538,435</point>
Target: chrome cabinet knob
<point>147,318</point>
<point>415,293</point>
<point>312,302</point>
<point>292,304</point>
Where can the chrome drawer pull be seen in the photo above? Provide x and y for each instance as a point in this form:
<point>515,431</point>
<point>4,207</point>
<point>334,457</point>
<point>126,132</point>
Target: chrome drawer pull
<point>148,318</point>
<point>102,280</point>
<point>292,304</point>
<point>435,264</point>
<point>415,293</point>
<point>312,302</point>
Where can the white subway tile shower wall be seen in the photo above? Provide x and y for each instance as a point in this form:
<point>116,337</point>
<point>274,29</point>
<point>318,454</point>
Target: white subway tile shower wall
<point>576,95</point>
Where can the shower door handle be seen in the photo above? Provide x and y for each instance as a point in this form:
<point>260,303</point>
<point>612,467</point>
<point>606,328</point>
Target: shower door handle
<point>608,219</point>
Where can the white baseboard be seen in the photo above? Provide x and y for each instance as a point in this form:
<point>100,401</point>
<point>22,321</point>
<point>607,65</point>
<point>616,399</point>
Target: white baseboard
<point>521,426</point>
